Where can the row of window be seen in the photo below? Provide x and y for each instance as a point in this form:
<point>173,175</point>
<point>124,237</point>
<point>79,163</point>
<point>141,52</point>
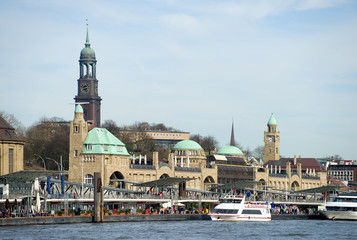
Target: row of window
<point>190,153</point>
<point>157,134</point>
<point>89,158</point>
<point>344,178</point>
<point>340,173</point>
<point>225,211</point>
<point>89,147</point>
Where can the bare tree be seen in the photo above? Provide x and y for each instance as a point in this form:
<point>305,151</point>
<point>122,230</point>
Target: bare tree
<point>47,138</point>
<point>335,157</point>
<point>209,143</point>
<point>258,153</point>
<point>16,124</point>
<point>197,138</point>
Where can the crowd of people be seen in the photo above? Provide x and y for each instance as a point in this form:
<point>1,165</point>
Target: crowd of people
<point>292,209</point>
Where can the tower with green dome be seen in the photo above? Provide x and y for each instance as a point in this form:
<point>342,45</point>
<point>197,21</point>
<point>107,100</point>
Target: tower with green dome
<point>271,140</point>
<point>88,85</point>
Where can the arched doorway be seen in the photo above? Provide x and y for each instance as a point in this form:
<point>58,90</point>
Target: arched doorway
<point>207,183</point>
<point>115,178</point>
<point>295,186</point>
<point>164,176</point>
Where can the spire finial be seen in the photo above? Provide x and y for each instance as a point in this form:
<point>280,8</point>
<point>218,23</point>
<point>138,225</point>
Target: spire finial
<point>87,39</point>
<point>233,142</point>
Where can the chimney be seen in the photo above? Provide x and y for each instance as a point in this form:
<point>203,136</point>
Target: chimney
<point>294,160</point>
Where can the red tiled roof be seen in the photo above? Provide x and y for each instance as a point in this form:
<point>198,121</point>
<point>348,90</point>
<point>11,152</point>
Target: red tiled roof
<point>7,133</point>
<point>306,163</point>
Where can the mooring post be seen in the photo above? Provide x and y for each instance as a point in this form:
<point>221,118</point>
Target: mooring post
<point>98,198</point>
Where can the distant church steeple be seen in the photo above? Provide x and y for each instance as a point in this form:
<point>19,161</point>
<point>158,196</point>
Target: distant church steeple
<point>233,142</point>
<point>88,85</point>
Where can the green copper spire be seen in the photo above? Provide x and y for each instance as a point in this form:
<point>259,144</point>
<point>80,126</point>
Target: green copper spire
<point>272,120</point>
<point>87,53</point>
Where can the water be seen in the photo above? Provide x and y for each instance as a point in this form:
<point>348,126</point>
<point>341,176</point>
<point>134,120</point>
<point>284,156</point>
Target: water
<point>182,230</point>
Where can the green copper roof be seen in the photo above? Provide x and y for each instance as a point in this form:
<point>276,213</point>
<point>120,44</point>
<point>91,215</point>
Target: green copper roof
<point>78,109</point>
<point>229,150</point>
<point>272,120</point>
<point>187,144</point>
<point>101,141</point>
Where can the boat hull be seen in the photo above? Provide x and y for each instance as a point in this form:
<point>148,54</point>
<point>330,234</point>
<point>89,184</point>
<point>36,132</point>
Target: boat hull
<point>238,218</point>
<point>339,215</point>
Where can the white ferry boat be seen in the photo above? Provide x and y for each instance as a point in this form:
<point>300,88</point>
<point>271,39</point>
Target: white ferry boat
<point>234,208</point>
<point>343,207</point>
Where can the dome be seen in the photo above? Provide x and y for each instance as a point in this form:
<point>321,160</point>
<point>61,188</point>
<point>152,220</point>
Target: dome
<point>187,144</point>
<point>78,109</point>
<point>87,53</point>
<point>272,120</point>
<point>229,150</point>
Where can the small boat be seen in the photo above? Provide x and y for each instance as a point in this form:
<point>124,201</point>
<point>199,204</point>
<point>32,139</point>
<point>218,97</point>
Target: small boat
<point>343,207</point>
<point>234,208</point>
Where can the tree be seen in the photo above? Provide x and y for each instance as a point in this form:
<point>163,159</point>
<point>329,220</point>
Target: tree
<point>158,127</point>
<point>197,138</point>
<point>111,126</point>
<point>209,143</point>
<point>258,153</point>
<point>47,138</point>
<point>335,157</point>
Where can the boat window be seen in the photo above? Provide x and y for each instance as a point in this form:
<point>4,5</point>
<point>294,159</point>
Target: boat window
<point>227,200</point>
<point>251,211</point>
<point>226,211</point>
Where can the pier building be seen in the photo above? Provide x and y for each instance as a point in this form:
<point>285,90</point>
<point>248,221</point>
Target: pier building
<point>98,150</point>
<point>11,149</point>
<point>287,173</point>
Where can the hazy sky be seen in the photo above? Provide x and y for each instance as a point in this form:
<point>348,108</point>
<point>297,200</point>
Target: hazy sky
<point>192,65</point>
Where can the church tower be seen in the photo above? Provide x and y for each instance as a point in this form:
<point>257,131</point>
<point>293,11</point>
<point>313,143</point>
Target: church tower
<point>271,140</point>
<point>88,86</point>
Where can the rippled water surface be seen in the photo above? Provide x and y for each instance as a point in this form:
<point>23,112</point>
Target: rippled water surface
<point>180,230</point>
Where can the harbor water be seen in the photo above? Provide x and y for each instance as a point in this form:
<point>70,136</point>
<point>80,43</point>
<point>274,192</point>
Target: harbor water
<point>179,230</point>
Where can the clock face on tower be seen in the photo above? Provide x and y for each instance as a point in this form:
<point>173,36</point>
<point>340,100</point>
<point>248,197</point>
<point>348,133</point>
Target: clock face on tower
<point>84,87</point>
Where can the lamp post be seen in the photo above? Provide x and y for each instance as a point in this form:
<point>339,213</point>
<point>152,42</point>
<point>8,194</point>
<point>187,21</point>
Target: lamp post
<point>59,168</point>
<point>44,164</point>
<point>265,185</point>
<point>82,175</point>
<point>286,192</point>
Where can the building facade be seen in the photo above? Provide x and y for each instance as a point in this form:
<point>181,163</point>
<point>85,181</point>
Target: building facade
<point>287,173</point>
<point>98,150</point>
<point>343,172</point>
<point>292,174</point>
<point>11,149</point>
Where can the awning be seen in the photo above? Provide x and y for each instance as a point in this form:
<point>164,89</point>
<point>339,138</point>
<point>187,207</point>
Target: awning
<point>163,182</point>
<point>26,175</point>
<point>238,185</point>
<point>323,189</point>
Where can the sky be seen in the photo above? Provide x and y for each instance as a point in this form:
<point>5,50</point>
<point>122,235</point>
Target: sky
<point>194,65</point>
